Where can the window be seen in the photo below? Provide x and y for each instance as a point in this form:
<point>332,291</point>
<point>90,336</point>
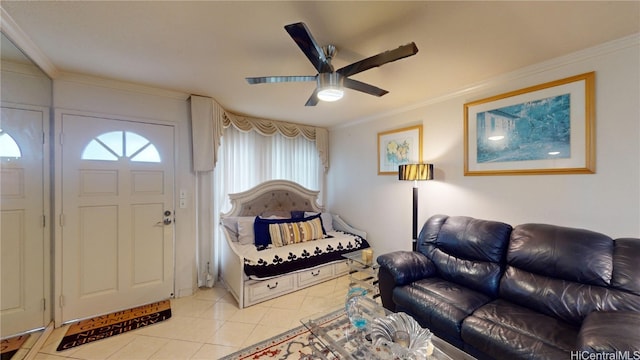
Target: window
<point>115,145</point>
<point>8,146</point>
<point>247,159</point>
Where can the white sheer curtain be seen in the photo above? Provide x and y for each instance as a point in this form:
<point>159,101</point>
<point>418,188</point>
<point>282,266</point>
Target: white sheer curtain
<point>249,158</point>
<point>233,153</point>
<point>246,159</point>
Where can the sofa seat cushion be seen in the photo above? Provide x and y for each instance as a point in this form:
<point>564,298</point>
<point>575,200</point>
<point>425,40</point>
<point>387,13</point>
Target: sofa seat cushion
<point>438,305</point>
<point>504,330</point>
<point>610,331</point>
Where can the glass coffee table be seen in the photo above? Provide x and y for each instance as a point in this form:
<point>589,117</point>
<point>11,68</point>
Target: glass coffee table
<point>341,340</point>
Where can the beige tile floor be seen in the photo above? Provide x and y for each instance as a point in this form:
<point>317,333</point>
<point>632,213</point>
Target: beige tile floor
<point>206,325</point>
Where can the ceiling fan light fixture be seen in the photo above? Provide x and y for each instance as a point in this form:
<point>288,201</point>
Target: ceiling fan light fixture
<point>331,83</point>
<point>330,87</point>
<point>330,94</point>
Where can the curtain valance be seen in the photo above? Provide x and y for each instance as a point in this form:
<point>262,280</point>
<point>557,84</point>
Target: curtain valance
<point>209,119</point>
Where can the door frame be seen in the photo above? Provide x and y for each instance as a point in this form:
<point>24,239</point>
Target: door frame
<point>57,232</point>
<point>46,203</point>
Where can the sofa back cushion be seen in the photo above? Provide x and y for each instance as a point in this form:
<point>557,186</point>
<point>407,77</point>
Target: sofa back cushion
<point>568,273</point>
<point>571,254</point>
<point>467,251</point>
<point>626,265</point>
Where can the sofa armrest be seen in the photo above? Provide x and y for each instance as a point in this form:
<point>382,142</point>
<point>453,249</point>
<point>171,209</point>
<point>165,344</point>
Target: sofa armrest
<point>406,266</point>
<point>400,268</point>
<point>610,331</point>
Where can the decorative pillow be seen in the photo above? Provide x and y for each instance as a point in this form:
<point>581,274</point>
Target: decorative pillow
<point>297,214</point>
<point>327,220</point>
<point>231,224</point>
<point>295,232</point>
<point>261,229</point>
<point>245,230</point>
<point>275,214</point>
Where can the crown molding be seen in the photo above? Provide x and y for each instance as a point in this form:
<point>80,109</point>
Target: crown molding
<point>562,61</point>
<point>22,68</point>
<point>11,29</point>
<point>120,85</point>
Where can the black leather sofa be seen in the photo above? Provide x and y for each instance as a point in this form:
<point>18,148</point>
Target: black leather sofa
<point>535,291</point>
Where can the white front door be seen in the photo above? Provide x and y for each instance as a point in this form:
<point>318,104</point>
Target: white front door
<point>22,219</point>
<point>117,214</point>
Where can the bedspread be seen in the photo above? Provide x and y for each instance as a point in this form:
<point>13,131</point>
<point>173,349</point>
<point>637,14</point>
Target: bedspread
<point>274,261</point>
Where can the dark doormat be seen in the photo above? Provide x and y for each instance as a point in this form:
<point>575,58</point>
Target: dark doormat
<point>102,327</point>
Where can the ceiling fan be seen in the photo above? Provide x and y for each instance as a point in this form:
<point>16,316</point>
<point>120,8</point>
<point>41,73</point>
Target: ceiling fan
<point>330,82</point>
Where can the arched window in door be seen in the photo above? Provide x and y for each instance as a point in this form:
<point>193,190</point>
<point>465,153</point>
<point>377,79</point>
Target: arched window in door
<point>114,145</point>
<point>8,146</point>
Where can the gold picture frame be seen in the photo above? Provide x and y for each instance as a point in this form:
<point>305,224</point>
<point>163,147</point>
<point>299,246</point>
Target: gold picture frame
<point>543,129</point>
<point>399,147</point>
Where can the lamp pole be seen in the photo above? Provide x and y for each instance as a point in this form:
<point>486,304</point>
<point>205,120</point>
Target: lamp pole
<point>415,215</point>
<point>415,172</point>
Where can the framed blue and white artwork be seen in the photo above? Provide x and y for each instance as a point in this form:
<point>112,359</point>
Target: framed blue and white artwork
<point>543,129</point>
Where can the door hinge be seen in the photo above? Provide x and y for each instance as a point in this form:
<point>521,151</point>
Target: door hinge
<point>44,220</point>
<point>44,304</point>
<point>61,220</point>
<point>44,138</point>
<point>61,301</point>
<point>61,138</point>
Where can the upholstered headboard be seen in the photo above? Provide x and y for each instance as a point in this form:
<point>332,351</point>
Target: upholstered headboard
<point>274,195</point>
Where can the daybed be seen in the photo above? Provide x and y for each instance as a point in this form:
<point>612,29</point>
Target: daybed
<point>535,291</point>
<point>259,264</point>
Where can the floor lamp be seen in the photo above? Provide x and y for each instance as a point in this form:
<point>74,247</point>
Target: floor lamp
<point>415,172</point>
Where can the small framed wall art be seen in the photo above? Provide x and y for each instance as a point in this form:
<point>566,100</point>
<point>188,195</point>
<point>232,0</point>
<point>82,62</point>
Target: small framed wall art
<point>399,147</point>
<point>543,129</point>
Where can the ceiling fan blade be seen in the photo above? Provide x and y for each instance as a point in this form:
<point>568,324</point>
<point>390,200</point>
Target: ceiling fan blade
<point>365,88</point>
<point>379,60</point>
<point>313,99</point>
<point>302,36</point>
<point>279,79</point>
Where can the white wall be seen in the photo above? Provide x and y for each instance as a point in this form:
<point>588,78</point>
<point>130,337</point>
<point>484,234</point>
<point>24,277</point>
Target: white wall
<point>127,101</point>
<point>607,202</point>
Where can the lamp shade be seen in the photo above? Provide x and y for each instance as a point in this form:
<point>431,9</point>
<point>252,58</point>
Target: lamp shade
<point>411,172</point>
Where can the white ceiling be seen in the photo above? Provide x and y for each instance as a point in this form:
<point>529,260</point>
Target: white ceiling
<point>209,47</point>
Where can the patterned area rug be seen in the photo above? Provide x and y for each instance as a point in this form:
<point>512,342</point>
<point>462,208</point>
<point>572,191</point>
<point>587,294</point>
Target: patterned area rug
<point>297,343</point>
<point>102,327</point>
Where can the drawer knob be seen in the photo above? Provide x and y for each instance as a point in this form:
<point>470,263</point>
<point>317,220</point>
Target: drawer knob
<point>272,287</point>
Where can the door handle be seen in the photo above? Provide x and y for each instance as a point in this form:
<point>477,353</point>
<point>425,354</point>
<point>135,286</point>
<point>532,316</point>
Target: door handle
<point>167,218</point>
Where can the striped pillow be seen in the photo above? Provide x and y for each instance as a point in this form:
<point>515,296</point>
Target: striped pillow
<point>295,232</point>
